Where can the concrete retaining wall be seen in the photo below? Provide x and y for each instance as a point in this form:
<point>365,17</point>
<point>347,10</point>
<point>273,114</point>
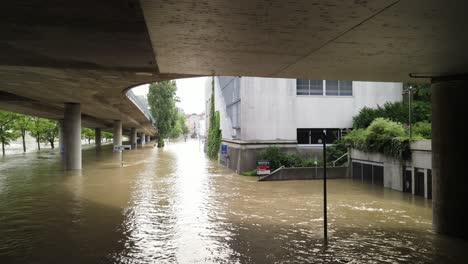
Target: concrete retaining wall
<point>421,161</point>
<point>393,168</point>
<point>306,173</point>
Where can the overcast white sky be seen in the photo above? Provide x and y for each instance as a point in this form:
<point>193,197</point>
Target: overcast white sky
<point>191,92</point>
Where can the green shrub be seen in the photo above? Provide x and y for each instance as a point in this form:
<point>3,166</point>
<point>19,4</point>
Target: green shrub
<point>290,160</point>
<point>273,155</point>
<point>334,152</point>
<point>311,163</point>
<point>397,112</point>
<point>250,173</point>
<point>423,129</point>
<point>383,136</point>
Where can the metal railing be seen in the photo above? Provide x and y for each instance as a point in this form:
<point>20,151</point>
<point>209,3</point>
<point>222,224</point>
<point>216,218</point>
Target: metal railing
<point>342,156</point>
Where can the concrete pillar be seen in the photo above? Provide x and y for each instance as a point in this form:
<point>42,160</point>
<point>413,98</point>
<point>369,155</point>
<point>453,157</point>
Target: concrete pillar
<point>449,152</point>
<point>60,135</point>
<point>148,139</point>
<point>133,137</point>
<point>117,133</point>
<point>143,138</point>
<point>72,136</point>
<point>97,137</point>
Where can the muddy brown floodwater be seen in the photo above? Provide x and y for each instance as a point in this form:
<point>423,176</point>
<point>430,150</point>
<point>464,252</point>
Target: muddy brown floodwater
<point>173,205</point>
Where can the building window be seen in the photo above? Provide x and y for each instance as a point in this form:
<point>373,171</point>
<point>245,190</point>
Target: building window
<point>321,87</point>
<point>306,136</point>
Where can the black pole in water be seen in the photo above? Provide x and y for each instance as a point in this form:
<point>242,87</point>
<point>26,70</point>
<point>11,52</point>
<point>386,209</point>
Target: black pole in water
<point>325,225</point>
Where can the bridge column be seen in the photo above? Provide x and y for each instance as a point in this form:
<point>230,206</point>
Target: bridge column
<point>60,135</point>
<point>133,137</point>
<point>148,139</point>
<point>143,138</point>
<point>72,136</point>
<point>97,138</point>
<point>117,140</point>
<point>449,153</point>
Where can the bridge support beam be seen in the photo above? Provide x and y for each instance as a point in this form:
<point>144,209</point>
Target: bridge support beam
<point>133,137</point>
<point>143,138</point>
<point>449,152</point>
<point>97,138</point>
<point>72,136</point>
<point>117,140</point>
<point>148,139</point>
<point>60,135</point>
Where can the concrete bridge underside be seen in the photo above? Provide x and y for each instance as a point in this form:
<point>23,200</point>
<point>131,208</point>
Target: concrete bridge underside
<point>90,52</point>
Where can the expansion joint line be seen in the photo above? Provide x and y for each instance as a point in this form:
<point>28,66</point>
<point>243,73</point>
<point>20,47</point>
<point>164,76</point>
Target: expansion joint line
<point>337,37</point>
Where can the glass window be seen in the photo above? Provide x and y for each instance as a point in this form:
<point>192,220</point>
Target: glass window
<point>312,135</point>
<point>316,87</point>
<point>332,88</point>
<point>302,87</point>
<point>346,88</point>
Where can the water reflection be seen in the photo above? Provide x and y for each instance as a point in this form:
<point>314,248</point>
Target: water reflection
<point>175,206</point>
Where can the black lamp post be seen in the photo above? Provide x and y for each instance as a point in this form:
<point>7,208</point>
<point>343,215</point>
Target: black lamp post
<point>410,91</point>
<point>325,224</point>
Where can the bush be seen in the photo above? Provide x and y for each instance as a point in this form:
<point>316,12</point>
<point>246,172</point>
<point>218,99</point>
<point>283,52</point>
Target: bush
<point>397,112</point>
<point>250,173</point>
<point>383,136</point>
<point>334,152</point>
<point>273,155</point>
<point>423,129</point>
<point>278,159</point>
<point>290,160</point>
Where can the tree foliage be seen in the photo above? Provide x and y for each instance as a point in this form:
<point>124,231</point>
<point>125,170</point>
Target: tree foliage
<point>180,128</point>
<point>214,130</point>
<point>383,136</point>
<point>88,134</point>
<point>49,131</point>
<point>7,132</point>
<point>398,112</point>
<point>162,100</point>
<point>43,130</point>
<point>22,124</point>
<point>107,135</point>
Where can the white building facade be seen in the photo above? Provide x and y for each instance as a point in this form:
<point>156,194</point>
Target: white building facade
<point>289,113</point>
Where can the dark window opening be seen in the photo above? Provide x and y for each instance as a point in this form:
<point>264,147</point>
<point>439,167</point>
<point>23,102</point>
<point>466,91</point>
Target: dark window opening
<point>312,135</point>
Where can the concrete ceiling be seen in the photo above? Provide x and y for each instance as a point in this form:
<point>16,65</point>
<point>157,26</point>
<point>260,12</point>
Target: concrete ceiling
<point>380,40</point>
<point>87,51</point>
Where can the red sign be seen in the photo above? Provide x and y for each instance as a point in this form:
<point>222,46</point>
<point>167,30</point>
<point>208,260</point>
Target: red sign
<point>263,167</point>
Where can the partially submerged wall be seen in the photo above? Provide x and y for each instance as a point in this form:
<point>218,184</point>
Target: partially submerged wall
<point>306,173</point>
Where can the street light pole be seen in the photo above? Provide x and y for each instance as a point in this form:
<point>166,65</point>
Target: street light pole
<point>410,91</point>
<point>325,222</point>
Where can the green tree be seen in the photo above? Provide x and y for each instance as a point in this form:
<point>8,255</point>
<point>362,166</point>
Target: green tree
<point>162,100</point>
<point>22,124</point>
<point>88,134</point>
<point>7,132</point>
<point>43,130</point>
<point>107,135</point>
<point>180,128</point>
<point>49,131</point>
<point>214,131</point>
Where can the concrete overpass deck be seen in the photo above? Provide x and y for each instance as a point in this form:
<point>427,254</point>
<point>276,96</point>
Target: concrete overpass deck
<point>77,57</point>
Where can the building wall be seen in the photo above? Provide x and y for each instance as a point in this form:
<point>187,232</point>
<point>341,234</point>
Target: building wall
<point>271,110</point>
<point>268,109</point>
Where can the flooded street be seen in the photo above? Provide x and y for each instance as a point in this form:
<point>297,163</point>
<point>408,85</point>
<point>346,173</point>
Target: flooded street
<point>173,205</point>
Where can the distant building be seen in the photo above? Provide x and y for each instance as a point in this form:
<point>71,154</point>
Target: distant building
<point>192,121</point>
<point>288,113</point>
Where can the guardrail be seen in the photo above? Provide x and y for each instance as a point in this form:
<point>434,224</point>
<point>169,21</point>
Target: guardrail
<point>342,156</point>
